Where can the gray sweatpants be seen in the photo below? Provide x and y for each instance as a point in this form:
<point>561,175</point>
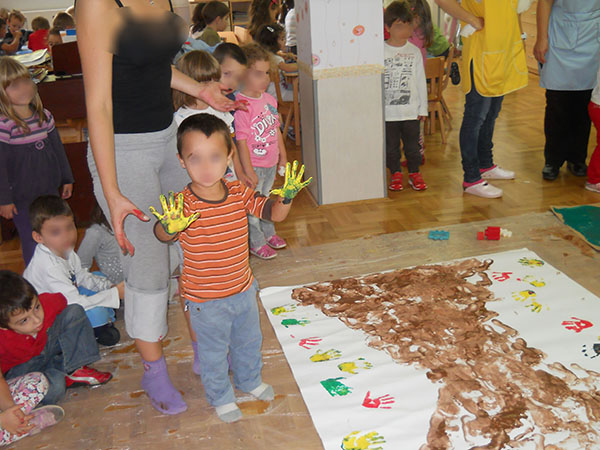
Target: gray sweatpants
<point>147,166</point>
<point>260,230</point>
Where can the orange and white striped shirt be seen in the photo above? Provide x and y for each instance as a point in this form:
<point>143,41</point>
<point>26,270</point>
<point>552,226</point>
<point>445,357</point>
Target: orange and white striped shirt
<point>215,246</point>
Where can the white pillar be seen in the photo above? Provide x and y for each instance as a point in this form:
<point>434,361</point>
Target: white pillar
<point>340,57</point>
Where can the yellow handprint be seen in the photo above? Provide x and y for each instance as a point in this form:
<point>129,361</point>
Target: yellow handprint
<point>278,310</point>
<point>354,441</point>
<point>293,183</point>
<point>329,355</point>
<point>524,295</point>
<point>172,219</point>
<point>354,366</point>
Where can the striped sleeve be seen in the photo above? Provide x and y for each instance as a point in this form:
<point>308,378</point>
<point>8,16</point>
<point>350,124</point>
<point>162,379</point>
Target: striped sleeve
<point>254,202</point>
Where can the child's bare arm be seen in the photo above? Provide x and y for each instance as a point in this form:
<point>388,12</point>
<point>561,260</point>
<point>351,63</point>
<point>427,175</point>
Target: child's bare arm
<point>244,153</point>
<point>6,400</point>
<point>282,151</point>
<point>292,185</point>
<point>288,67</point>
<point>280,210</point>
<point>162,235</point>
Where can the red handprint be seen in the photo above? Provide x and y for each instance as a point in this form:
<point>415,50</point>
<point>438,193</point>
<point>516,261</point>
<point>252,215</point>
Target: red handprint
<point>378,402</point>
<point>577,324</point>
<point>309,342</point>
<point>501,276</point>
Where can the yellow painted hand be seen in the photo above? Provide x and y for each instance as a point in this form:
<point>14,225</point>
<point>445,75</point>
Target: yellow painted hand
<point>354,367</point>
<point>172,219</point>
<point>326,356</point>
<point>367,441</point>
<point>524,295</point>
<point>279,310</point>
<point>293,183</point>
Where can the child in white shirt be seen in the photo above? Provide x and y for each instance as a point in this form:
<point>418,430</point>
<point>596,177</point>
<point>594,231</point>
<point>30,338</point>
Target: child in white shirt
<point>405,96</point>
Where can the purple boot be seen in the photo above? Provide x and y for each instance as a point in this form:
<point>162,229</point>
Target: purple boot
<point>157,384</point>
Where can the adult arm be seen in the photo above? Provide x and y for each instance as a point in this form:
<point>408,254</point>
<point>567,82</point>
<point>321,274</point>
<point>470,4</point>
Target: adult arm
<point>13,46</point>
<point>544,7</point>
<point>455,10</point>
<point>207,92</point>
<point>96,25</point>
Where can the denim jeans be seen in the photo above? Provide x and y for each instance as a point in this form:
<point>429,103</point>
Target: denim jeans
<point>228,325</point>
<point>260,230</point>
<point>476,132</point>
<point>71,344</point>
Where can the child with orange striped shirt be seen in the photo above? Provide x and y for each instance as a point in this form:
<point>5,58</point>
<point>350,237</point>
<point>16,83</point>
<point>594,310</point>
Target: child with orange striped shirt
<point>209,219</point>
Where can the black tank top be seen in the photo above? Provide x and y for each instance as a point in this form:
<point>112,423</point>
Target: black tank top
<point>141,74</point>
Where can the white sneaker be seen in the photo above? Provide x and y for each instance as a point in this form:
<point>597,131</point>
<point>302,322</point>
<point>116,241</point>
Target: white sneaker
<point>498,173</point>
<point>592,187</point>
<point>484,189</point>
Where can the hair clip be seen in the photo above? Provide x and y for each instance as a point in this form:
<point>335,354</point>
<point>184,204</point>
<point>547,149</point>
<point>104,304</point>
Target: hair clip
<point>275,2</point>
<point>270,29</point>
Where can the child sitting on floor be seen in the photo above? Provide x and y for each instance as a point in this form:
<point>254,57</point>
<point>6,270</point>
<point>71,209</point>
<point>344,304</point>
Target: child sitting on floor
<point>99,244</point>
<point>41,333</point>
<point>18,398</point>
<point>55,267</point>
<point>258,134</point>
<point>209,220</point>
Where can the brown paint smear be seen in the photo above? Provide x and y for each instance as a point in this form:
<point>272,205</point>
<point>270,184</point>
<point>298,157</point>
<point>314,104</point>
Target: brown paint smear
<point>256,407</point>
<point>492,385</point>
<point>119,407</point>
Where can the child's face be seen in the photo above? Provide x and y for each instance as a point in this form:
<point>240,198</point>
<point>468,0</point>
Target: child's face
<point>258,76</point>
<point>281,40</point>
<point>222,23</point>
<point>53,39</point>
<point>401,30</point>
<point>30,321</point>
<point>204,158</point>
<point>58,233</point>
<point>274,10</point>
<point>2,31</point>
<point>21,91</point>
<point>232,73</point>
<point>15,25</point>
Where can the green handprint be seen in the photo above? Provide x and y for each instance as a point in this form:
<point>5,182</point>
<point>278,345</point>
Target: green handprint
<point>293,183</point>
<point>329,355</point>
<point>287,322</point>
<point>335,387</point>
<point>354,441</point>
<point>354,366</point>
<point>278,310</point>
<point>172,220</point>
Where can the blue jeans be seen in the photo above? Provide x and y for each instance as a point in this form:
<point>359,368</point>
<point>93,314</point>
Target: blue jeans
<point>100,315</point>
<point>260,230</point>
<point>71,344</point>
<point>229,324</point>
<point>476,132</point>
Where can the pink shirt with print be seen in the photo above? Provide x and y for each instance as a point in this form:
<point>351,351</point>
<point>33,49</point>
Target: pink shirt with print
<point>258,127</point>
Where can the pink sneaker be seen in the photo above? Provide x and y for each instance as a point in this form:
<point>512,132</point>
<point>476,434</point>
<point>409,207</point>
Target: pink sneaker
<point>276,242</point>
<point>264,252</point>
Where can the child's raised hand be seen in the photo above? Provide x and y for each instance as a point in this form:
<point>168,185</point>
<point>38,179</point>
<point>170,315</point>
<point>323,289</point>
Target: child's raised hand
<point>172,219</point>
<point>8,211</point>
<point>15,421</point>
<point>293,183</point>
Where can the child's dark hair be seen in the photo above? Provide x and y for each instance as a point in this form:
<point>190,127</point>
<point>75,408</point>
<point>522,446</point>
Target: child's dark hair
<point>398,10</point>
<point>97,216</point>
<point>40,23</point>
<point>286,7</point>
<point>63,21</point>
<point>207,124</point>
<point>200,66</point>
<point>254,53</point>
<point>229,50</point>
<point>46,207</point>
<point>2,22</point>
<point>205,13</point>
<point>421,9</point>
<point>268,35</point>
<point>54,31</point>
<point>260,13</point>
<point>16,296</point>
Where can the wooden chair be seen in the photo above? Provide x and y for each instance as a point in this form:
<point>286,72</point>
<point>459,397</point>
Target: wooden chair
<point>449,60</point>
<point>288,110</point>
<point>434,72</point>
<point>229,36</point>
<point>242,34</point>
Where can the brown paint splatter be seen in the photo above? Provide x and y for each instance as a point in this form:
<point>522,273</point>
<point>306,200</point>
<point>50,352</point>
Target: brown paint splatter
<point>257,407</point>
<point>492,385</point>
<point>137,394</point>
<point>125,349</point>
<point>116,407</point>
<point>562,233</point>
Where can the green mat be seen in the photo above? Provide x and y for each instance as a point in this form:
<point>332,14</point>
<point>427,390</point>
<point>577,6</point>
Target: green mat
<point>584,220</point>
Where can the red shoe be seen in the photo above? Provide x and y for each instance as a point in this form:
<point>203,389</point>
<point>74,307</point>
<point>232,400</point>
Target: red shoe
<point>416,181</point>
<point>86,376</point>
<point>396,184</point>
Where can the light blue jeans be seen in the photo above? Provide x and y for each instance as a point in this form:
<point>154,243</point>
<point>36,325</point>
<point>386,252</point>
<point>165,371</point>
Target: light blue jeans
<point>260,230</point>
<point>229,324</point>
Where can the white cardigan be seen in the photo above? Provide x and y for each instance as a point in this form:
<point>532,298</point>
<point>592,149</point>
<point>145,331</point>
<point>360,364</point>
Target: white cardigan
<point>48,272</point>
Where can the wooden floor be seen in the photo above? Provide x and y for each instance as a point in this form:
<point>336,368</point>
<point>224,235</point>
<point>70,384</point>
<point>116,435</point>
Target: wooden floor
<point>118,415</point>
<point>519,143</point>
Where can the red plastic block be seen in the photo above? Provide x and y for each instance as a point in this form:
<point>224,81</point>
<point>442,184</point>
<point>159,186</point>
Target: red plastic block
<point>492,233</point>
<point>480,236</point>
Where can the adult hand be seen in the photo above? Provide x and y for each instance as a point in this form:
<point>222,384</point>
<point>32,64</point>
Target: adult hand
<point>67,191</point>
<point>540,49</point>
<point>212,94</point>
<point>477,23</point>
<point>15,421</point>
<point>8,211</point>
<point>120,207</point>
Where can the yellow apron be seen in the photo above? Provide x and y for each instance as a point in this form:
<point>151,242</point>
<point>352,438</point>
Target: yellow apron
<point>497,51</point>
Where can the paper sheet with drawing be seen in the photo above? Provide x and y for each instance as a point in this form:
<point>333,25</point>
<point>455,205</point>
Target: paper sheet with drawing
<point>494,351</point>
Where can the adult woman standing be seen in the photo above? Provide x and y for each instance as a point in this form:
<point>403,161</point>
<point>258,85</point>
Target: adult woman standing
<point>126,49</point>
<point>568,50</point>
